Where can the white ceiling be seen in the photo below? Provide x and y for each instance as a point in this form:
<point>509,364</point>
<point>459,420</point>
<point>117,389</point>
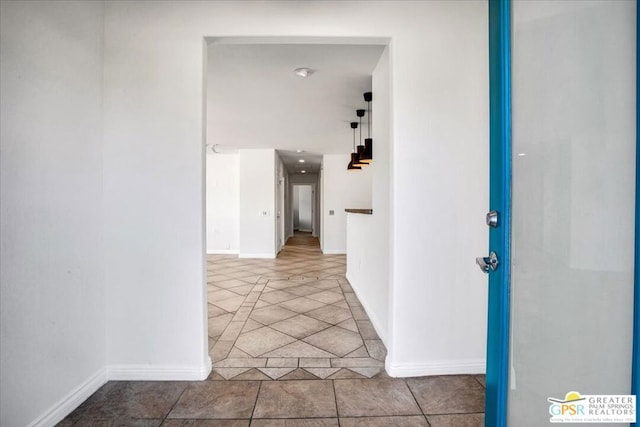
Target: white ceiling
<point>254,99</point>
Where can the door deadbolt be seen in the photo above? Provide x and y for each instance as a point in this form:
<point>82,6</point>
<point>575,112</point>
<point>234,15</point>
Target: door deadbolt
<point>492,219</point>
<point>489,263</point>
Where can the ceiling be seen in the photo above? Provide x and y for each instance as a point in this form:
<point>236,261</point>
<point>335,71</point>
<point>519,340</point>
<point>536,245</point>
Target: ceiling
<point>254,99</point>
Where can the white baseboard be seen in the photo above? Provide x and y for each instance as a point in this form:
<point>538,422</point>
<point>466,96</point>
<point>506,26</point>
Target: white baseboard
<point>267,255</point>
<point>71,401</point>
<point>334,251</point>
<point>222,252</point>
<point>435,367</point>
<point>158,373</point>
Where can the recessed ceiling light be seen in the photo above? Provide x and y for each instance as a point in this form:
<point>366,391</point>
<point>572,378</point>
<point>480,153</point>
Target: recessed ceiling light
<point>303,171</point>
<point>301,160</point>
<point>298,151</point>
<point>303,72</point>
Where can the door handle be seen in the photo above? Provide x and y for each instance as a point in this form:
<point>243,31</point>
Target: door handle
<point>489,263</point>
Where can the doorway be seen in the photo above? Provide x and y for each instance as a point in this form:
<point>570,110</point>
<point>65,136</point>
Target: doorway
<point>278,169</point>
<point>303,205</point>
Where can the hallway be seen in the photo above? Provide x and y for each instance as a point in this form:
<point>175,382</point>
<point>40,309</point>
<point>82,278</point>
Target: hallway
<point>294,319</point>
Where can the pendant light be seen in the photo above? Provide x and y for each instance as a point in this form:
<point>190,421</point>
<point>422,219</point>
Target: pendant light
<point>360,148</point>
<point>354,154</point>
<point>366,156</point>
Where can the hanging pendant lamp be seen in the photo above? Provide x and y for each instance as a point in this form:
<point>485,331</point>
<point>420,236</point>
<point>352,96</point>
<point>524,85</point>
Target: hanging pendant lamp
<point>360,148</point>
<point>351,166</point>
<point>367,154</point>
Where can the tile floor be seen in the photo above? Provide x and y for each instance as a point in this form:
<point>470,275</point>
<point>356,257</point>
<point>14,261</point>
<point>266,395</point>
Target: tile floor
<point>297,318</point>
<point>291,346</point>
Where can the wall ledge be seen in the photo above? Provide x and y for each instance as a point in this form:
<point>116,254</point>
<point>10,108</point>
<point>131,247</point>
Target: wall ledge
<point>436,367</point>
<point>360,211</point>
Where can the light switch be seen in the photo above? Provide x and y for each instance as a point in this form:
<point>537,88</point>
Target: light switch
<point>331,212</point>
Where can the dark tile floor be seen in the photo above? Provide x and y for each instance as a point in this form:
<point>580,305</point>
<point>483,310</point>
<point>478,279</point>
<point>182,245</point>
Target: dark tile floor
<point>292,347</point>
<point>452,401</point>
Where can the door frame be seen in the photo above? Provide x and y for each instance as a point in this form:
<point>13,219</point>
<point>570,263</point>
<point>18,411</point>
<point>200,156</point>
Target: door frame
<point>497,370</point>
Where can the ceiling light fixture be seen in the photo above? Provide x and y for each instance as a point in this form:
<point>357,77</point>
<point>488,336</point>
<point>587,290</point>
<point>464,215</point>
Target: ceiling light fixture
<point>298,151</point>
<point>300,160</point>
<point>304,72</point>
<point>354,155</point>
<point>367,154</point>
<point>303,171</point>
<point>360,147</point>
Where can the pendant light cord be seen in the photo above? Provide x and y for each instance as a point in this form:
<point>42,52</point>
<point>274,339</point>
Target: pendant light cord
<point>369,119</point>
<point>354,140</point>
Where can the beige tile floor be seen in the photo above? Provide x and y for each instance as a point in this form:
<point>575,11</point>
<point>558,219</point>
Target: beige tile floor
<point>298,318</point>
<point>291,347</point>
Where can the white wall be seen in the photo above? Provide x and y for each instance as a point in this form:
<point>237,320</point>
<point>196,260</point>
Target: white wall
<point>369,236</point>
<point>154,171</point>
<point>223,203</point>
<point>287,207</point>
<point>318,211</point>
<point>440,191</point>
<point>154,194</point>
<point>257,203</point>
<point>296,207</point>
<point>52,345</point>
<point>342,189</point>
<point>151,255</point>
<point>281,185</point>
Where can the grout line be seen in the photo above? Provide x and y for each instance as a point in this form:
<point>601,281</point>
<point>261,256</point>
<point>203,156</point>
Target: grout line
<point>244,322</point>
<point>335,396</point>
<point>175,403</point>
<point>454,413</point>
<point>256,402</point>
<point>484,387</point>
<point>427,420</point>
<point>414,399</point>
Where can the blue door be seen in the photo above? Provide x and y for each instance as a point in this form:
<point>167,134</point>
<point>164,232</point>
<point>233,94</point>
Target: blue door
<point>563,218</point>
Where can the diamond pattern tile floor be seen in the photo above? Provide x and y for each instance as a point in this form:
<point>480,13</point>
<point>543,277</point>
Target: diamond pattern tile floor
<point>301,307</point>
<point>261,341</point>
<point>291,346</point>
<point>300,326</point>
<point>336,340</point>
